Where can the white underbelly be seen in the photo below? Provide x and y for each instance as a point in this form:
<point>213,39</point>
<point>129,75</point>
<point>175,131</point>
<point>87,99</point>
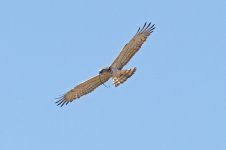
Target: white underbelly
<point>115,72</point>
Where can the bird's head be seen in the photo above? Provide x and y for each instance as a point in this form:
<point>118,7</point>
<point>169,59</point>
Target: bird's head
<point>104,70</point>
<point>101,71</point>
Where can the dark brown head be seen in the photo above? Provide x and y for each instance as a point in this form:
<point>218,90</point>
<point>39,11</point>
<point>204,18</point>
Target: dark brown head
<point>108,69</point>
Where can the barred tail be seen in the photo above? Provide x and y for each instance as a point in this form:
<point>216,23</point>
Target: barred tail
<point>123,76</point>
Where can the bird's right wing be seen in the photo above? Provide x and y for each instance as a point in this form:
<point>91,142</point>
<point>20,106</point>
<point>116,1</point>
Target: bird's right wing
<point>83,88</point>
<point>130,49</point>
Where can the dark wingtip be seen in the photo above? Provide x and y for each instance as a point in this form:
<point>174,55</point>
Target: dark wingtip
<point>151,28</point>
<point>146,27</point>
<point>143,27</point>
<point>138,30</point>
<point>60,101</point>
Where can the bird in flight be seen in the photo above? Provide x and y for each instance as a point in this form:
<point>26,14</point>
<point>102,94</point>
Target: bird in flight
<point>113,71</point>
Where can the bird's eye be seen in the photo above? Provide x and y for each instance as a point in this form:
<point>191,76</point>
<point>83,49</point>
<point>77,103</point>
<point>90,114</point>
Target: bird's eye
<point>101,71</point>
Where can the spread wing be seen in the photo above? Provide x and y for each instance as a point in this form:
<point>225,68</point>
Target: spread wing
<point>83,88</point>
<point>133,46</point>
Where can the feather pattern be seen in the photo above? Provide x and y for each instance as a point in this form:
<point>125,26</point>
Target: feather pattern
<point>130,49</point>
<point>122,76</point>
<point>83,88</point>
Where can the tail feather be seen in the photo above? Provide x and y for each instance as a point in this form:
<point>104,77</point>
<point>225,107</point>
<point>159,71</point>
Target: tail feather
<point>123,76</point>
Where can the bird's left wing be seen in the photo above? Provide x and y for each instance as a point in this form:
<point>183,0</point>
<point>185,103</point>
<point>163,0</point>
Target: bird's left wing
<point>130,49</point>
<point>83,88</point>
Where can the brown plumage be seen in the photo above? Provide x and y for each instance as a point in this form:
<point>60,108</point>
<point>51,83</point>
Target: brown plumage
<point>115,71</point>
<point>83,88</point>
<point>122,76</point>
<point>130,49</point>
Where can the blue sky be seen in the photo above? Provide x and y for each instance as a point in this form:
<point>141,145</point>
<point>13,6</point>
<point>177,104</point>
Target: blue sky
<point>176,99</point>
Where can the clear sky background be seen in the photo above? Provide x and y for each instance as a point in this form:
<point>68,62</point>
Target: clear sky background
<point>175,101</point>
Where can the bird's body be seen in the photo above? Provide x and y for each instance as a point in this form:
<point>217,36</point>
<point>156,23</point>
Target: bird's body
<point>118,76</point>
<point>113,71</point>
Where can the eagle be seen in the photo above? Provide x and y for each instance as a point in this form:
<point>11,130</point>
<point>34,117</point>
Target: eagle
<point>113,71</point>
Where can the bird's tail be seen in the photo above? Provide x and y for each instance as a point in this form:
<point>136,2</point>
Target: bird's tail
<point>123,76</point>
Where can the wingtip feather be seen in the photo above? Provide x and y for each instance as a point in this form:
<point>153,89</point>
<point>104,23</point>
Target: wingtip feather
<point>61,101</point>
<point>146,28</point>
